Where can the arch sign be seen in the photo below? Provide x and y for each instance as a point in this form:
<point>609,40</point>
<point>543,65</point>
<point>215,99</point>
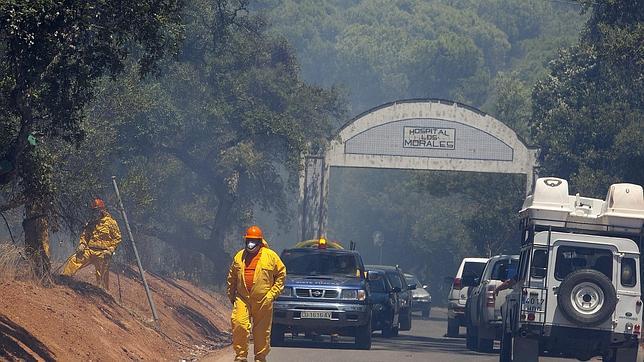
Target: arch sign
<point>413,135</point>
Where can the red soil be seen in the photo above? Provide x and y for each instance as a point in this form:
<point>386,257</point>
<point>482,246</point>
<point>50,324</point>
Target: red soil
<point>73,320</point>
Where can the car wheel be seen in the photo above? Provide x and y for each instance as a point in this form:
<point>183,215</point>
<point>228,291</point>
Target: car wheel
<point>587,297</point>
<point>405,320</point>
<point>387,331</point>
<point>394,332</point>
<point>363,336</point>
<point>277,336</point>
<point>484,345</point>
<point>506,348</point>
<point>426,312</point>
<point>452,327</point>
<point>471,337</point>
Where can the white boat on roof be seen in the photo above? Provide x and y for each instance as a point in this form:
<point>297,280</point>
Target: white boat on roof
<point>550,205</point>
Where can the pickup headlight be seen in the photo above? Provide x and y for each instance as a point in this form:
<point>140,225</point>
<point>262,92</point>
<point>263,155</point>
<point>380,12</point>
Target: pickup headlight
<point>356,294</point>
<point>287,292</point>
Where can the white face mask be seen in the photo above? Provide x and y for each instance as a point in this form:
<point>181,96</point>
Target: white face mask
<point>252,245</point>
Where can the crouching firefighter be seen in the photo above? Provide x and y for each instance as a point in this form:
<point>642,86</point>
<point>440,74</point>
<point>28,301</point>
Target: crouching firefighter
<point>255,279</point>
<point>98,241</point>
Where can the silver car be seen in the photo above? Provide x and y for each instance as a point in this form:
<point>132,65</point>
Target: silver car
<point>421,299</point>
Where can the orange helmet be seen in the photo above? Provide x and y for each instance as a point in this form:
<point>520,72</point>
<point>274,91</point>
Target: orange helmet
<point>97,203</point>
<point>254,232</point>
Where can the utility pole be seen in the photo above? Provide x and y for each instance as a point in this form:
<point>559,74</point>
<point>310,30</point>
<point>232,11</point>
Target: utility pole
<point>136,253</point>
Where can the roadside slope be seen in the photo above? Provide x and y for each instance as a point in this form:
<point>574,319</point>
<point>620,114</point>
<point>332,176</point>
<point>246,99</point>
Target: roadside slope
<point>73,320</point>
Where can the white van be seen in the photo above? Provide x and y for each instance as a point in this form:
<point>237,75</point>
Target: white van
<point>458,293</point>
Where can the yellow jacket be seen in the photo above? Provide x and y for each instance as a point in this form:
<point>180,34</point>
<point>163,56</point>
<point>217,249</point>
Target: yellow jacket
<point>268,281</point>
<point>102,234</point>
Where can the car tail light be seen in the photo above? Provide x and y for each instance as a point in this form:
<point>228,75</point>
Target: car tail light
<point>457,284</point>
<point>638,303</point>
<point>636,329</point>
<point>530,317</point>
<point>490,296</point>
<point>522,317</point>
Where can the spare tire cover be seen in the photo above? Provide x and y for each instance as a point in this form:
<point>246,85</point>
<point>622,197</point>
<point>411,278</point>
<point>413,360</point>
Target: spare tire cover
<point>587,297</point>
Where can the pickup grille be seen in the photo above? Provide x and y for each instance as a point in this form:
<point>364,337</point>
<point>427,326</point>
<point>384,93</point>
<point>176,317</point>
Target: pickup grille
<point>315,293</point>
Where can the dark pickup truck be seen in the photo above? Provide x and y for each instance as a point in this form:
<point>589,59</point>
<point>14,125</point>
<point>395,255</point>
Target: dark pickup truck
<point>325,293</point>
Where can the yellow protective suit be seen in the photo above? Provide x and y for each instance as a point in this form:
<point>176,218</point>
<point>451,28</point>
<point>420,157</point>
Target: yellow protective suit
<point>256,305</point>
<point>100,239</point>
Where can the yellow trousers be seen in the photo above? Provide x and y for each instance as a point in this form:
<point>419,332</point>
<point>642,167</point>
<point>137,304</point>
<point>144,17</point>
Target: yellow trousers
<point>100,260</point>
<point>259,314</point>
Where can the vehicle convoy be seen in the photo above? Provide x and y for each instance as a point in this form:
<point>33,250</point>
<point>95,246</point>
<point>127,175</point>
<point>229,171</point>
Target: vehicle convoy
<point>325,293</point>
<point>397,280</point>
<point>577,293</point>
<point>421,299</point>
<point>470,268</point>
<point>483,306</point>
<point>385,304</point>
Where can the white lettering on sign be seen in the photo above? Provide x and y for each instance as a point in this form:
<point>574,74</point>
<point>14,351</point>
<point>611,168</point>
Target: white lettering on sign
<point>429,137</point>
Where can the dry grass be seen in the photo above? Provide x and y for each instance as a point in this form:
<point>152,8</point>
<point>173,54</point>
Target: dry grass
<point>12,263</point>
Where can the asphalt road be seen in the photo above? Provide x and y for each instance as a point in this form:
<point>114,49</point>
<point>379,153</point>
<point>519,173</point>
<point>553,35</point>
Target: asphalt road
<point>425,342</point>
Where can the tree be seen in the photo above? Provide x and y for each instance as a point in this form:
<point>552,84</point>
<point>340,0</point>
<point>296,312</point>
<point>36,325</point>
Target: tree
<point>587,113</point>
<point>217,135</point>
<point>51,55</point>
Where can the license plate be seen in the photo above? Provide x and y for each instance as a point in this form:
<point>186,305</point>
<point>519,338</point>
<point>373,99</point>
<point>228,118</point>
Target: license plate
<point>315,315</point>
<point>532,304</point>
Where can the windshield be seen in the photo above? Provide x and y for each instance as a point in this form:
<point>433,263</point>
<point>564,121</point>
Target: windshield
<point>473,268</point>
<point>410,279</point>
<point>320,263</point>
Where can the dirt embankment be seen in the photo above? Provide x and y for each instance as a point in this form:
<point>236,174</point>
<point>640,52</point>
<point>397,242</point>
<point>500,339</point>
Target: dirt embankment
<point>74,321</point>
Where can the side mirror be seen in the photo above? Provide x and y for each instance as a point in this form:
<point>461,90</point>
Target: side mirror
<point>395,290</point>
<point>411,286</point>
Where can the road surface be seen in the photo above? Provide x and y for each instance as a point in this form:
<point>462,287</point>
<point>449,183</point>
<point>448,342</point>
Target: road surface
<point>425,342</point>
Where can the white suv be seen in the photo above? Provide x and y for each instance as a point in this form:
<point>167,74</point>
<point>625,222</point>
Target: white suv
<point>577,294</point>
<point>471,268</point>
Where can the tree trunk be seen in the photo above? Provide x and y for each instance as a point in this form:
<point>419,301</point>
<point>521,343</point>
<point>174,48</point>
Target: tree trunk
<point>36,228</point>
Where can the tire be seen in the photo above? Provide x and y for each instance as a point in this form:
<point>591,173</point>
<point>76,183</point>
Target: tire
<point>363,336</point>
<point>452,327</point>
<point>277,336</point>
<point>589,291</point>
<point>471,337</point>
<point>485,345</point>
<point>426,312</point>
<point>405,320</point>
<point>387,331</point>
<point>506,348</point>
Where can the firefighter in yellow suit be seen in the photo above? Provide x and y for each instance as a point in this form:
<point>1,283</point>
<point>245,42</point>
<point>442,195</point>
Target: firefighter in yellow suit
<point>98,241</point>
<point>255,279</point>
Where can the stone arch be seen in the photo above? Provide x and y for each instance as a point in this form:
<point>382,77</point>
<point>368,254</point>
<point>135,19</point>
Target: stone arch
<point>414,134</point>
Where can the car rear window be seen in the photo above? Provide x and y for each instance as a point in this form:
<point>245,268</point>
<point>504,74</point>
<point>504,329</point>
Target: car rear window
<point>629,272</point>
<point>573,258</point>
<point>504,269</point>
<point>473,268</point>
